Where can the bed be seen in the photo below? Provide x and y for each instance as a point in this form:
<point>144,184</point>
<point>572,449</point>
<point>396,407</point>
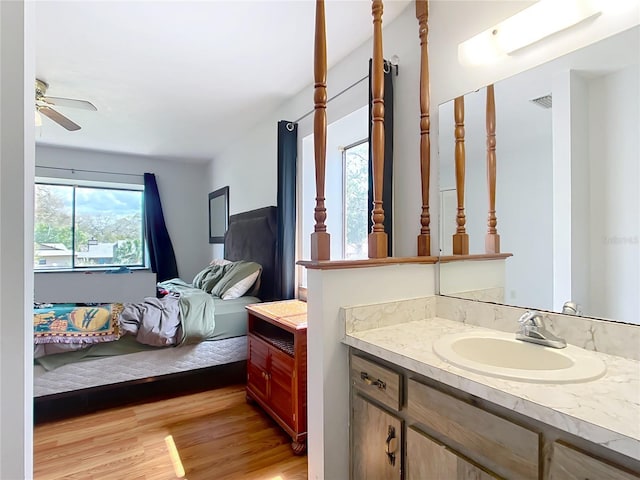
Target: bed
<point>125,370</point>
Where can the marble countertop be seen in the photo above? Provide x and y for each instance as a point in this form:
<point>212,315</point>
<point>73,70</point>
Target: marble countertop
<point>605,411</point>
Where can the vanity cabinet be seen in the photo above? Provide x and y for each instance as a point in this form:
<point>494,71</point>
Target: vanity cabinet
<point>376,430</point>
<point>498,444</point>
<point>375,381</point>
<point>568,463</point>
<point>427,458</point>
<point>376,439</point>
<point>445,433</point>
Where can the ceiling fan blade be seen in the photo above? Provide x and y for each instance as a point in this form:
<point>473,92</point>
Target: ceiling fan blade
<point>59,118</point>
<point>69,102</point>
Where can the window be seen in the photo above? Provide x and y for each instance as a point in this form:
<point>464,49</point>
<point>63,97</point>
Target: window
<point>356,199</point>
<point>346,189</point>
<point>87,226</point>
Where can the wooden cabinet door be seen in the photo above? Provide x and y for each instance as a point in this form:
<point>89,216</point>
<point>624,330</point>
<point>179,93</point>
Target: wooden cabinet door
<point>567,463</point>
<point>427,459</point>
<point>376,439</point>
<point>504,447</point>
<point>281,385</point>
<point>257,363</point>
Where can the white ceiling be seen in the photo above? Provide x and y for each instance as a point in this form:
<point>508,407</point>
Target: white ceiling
<point>177,79</point>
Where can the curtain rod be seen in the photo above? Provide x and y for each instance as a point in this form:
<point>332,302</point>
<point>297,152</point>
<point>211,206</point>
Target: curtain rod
<point>74,170</point>
<point>334,97</point>
<point>387,64</point>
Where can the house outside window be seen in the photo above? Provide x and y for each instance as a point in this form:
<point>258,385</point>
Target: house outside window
<point>88,226</point>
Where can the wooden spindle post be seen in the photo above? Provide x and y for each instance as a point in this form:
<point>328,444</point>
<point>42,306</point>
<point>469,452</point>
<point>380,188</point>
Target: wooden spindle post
<point>320,240</point>
<point>424,239</point>
<point>492,239</point>
<point>377,238</point>
<point>460,238</point>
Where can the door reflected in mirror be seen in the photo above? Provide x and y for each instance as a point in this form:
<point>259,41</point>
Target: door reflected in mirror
<point>567,200</point>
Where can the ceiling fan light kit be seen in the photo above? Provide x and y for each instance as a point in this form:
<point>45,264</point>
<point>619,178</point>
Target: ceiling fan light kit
<point>45,102</point>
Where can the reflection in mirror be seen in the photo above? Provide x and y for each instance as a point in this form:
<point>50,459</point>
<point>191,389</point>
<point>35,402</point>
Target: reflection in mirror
<point>567,198</point>
<point>218,214</point>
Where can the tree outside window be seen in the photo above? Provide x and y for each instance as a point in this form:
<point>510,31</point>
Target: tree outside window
<point>77,226</point>
<point>356,187</point>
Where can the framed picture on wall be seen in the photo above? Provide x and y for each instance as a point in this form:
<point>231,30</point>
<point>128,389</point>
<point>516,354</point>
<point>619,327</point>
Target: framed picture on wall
<point>218,214</point>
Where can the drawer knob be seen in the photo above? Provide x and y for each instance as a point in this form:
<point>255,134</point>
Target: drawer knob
<point>364,376</point>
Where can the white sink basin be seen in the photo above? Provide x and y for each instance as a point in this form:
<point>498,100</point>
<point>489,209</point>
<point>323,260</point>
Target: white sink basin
<point>499,354</point>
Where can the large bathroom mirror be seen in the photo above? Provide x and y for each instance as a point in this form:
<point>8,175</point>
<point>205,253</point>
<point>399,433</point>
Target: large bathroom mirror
<point>567,201</point>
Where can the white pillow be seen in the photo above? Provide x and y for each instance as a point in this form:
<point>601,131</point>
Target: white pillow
<point>220,262</point>
<point>242,287</point>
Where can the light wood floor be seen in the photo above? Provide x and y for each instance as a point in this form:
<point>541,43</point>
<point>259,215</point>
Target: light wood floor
<point>216,433</point>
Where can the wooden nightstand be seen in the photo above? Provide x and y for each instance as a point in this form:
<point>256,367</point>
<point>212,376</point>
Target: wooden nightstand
<point>277,365</point>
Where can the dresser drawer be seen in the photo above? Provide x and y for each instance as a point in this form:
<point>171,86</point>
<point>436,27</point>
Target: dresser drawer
<point>502,446</point>
<point>376,381</point>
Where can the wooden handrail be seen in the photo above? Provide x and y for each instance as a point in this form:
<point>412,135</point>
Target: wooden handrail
<point>377,240</point>
<point>367,262</point>
<point>492,239</point>
<point>424,239</point>
<point>320,240</point>
<point>460,238</point>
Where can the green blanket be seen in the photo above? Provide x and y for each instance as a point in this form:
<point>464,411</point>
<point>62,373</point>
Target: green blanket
<point>122,346</point>
<point>197,310</point>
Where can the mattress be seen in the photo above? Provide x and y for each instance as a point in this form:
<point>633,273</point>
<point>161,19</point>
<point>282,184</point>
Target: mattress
<point>231,317</point>
<point>138,361</point>
<point>135,366</point>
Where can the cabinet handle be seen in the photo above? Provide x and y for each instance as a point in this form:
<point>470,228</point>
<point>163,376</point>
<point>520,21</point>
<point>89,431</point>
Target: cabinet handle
<point>364,376</point>
<point>391,445</point>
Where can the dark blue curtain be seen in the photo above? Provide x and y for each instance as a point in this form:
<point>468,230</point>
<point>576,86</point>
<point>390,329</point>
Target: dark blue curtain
<point>161,255</point>
<point>286,245</point>
<point>387,183</point>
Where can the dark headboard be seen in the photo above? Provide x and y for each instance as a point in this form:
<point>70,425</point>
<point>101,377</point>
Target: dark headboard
<point>252,236</point>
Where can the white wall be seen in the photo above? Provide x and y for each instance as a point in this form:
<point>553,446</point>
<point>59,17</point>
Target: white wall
<point>581,208</point>
<point>471,276</point>
<point>614,197</point>
<point>17,68</point>
<point>183,193</point>
<point>328,366</point>
<point>93,287</point>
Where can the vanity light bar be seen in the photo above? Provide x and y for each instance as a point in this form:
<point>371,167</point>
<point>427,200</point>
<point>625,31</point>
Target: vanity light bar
<point>529,26</point>
<point>541,20</point>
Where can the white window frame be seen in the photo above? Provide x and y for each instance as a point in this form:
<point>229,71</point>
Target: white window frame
<point>40,180</point>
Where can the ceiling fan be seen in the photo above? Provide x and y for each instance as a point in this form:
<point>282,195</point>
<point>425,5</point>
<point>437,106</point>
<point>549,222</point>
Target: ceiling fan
<point>44,104</point>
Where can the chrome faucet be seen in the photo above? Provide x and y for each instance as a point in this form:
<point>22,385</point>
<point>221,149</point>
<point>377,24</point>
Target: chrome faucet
<point>532,330</point>
<point>571,308</point>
